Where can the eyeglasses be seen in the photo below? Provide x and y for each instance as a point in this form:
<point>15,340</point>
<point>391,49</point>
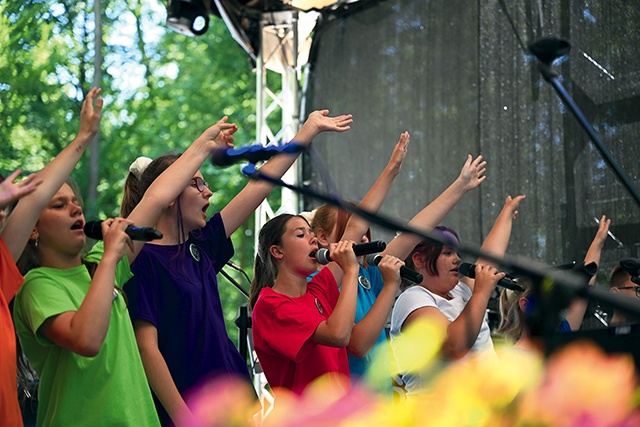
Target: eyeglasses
<point>635,288</point>
<point>200,183</point>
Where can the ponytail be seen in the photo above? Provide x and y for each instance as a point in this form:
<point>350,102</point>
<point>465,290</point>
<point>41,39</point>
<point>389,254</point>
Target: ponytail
<point>265,269</point>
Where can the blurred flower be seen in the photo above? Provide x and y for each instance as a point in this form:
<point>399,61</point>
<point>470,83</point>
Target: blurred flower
<point>583,386</point>
<point>579,385</point>
<point>228,402</point>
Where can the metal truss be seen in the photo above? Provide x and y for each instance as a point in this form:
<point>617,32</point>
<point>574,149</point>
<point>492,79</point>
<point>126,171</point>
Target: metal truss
<point>279,54</point>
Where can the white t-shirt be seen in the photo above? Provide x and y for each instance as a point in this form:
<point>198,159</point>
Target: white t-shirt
<point>417,297</point>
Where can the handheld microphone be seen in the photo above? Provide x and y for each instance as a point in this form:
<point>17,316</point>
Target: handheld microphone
<point>469,270</point>
<point>631,266</point>
<point>323,257</point>
<point>93,230</point>
<point>405,272</point>
<point>251,153</point>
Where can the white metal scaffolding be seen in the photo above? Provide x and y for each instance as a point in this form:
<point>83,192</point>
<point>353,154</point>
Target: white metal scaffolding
<point>280,52</point>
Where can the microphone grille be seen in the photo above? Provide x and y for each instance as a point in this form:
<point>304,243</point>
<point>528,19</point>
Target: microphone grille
<point>322,256</point>
<point>372,259</point>
<point>220,158</point>
<point>93,230</point>
<point>468,270</point>
<point>630,265</point>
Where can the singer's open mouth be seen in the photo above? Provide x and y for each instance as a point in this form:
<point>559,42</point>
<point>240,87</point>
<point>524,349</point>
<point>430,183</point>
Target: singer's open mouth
<point>77,225</point>
<point>313,254</point>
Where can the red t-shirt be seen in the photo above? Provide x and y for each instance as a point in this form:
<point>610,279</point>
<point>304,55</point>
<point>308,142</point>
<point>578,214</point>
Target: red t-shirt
<point>282,330</point>
<point>10,281</point>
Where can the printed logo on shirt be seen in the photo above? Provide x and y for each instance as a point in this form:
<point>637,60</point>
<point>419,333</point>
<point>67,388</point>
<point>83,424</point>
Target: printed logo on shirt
<point>195,252</point>
<point>319,307</point>
<point>364,282</point>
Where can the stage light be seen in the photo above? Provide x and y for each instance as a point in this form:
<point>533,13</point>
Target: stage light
<point>188,17</point>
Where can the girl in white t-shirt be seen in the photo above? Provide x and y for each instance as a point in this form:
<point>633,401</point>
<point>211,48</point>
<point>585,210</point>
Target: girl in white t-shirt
<point>457,303</point>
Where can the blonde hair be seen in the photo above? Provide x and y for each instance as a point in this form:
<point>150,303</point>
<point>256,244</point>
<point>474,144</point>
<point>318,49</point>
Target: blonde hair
<point>511,316</point>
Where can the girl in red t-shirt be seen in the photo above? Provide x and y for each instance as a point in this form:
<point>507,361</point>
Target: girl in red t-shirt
<point>301,330</point>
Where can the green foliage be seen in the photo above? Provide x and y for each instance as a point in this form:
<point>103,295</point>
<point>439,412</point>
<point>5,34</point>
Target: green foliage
<point>161,90</point>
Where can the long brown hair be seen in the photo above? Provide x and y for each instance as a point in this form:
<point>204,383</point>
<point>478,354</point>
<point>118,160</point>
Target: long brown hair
<point>265,270</point>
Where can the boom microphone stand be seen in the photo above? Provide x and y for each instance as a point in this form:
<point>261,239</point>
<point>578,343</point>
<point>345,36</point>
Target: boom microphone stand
<point>243,321</point>
<point>549,49</point>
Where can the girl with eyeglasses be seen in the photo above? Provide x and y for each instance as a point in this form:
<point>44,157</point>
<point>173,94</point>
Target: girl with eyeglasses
<point>173,297</point>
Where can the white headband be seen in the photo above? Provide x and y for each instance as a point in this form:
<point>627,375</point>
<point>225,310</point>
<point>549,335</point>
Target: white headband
<point>138,167</point>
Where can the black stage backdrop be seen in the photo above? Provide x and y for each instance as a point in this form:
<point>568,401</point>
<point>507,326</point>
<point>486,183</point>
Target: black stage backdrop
<point>458,76</point>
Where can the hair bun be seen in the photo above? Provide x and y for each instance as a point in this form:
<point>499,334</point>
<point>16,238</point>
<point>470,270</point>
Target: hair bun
<point>139,166</point>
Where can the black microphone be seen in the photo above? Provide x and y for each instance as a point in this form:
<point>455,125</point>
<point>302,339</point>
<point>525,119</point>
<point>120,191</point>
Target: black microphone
<point>93,230</point>
<point>405,272</point>
<point>251,153</point>
<point>548,49</point>
<point>631,266</point>
<point>469,270</point>
<point>323,257</point>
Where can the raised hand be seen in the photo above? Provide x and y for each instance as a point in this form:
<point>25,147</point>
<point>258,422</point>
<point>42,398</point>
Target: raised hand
<point>399,152</point>
<point>511,205</point>
<point>225,137</point>
<point>11,191</point>
<point>219,135</point>
<point>472,173</point>
<point>91,114</point>
<point>319,121</point>
<point>603,230</point>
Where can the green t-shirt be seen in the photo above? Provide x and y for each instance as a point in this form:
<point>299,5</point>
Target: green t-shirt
<point>109,389</point>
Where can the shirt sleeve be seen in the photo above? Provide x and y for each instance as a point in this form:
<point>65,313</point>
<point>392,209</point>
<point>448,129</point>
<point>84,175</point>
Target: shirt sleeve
<point>42,297</point>
<point>409,301</point>
<point>140,292</point>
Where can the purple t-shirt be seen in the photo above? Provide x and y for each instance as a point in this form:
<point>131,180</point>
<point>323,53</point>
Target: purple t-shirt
<point>179,295</point>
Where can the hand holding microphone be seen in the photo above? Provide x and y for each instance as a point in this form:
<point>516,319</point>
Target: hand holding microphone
<point>405,272</point>
<point>324,258</point>
<point>469,270</point>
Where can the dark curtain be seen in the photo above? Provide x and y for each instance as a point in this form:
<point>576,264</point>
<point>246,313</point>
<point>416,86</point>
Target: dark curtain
<point>458,76</point>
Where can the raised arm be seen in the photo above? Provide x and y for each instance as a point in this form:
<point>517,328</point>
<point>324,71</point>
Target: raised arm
<point>374,198</point>
<point>247,201</point>
<point>471,176</point>
<point>24,217</point>
<point>168,186</point>
<point>336,330</point>
<point>497,240</point>
<point>577,308</point>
